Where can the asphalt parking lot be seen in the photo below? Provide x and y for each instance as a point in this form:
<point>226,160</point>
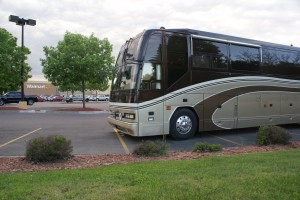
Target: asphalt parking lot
<point>91,134</point>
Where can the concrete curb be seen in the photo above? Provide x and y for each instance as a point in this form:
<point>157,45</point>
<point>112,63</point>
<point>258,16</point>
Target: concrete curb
<point>57,111</point>
<point>32,111</point>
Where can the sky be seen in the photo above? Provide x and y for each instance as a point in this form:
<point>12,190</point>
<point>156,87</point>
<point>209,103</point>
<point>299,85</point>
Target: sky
<point>274,21</point>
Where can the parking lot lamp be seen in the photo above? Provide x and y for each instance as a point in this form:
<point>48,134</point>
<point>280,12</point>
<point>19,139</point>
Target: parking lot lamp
<point>21,22</point>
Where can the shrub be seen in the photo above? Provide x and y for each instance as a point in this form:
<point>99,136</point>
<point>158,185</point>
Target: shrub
<point>205,147</point>
<point>214,147</point>
<point>200,147</point>
<point>48,149</point>
<point>270,134</point>
<point>150,148</point>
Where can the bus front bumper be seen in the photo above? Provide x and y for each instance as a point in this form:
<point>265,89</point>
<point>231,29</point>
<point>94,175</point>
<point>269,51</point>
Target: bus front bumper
<point>129,128</point>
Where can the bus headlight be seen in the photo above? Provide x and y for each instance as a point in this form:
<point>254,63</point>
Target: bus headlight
<point>129,116</point>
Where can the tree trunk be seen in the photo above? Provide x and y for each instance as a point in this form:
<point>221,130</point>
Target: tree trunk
<point>83,94</point>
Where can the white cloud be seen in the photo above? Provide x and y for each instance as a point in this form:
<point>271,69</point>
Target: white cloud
<point>271,20</point>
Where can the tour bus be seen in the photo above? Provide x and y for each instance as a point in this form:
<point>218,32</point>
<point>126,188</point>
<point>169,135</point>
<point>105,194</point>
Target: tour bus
<point>182,81</point>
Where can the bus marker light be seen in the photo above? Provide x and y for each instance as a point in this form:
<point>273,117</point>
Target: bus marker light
<point>150,118</point>
<point>168,107</point>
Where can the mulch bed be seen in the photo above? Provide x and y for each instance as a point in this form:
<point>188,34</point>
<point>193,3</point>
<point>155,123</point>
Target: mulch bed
<point>19,164</point>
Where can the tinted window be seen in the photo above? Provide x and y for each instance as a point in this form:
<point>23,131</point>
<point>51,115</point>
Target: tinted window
<point>14,94</point>
<point>177,55</point>
<point>133,48</point>
<point>152,72</point>
<point>275,57</point>
<point>151,77</point>
<point>208,54</point>
<point>153,49</point>
<point>270,57</point>
<point>278,61</point>
<point>244,58</point>
<point>120,56</point>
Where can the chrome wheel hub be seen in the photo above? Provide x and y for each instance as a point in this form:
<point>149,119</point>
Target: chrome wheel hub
<point>184,124</point>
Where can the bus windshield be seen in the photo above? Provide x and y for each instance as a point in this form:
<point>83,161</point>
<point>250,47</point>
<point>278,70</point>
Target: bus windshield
<point>126,67</point>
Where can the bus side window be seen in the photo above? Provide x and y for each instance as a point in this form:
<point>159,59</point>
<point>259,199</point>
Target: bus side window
<point>151,77</point>
<point>151,72</point>
<point>177,55</point>
<point>244,58</point>
<point>282,62</point>
<point>209,54</point>
<point>153,49</point>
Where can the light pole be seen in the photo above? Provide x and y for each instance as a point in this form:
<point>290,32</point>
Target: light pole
<point>21,22</point>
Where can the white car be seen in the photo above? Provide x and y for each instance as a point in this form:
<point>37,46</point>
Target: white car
<point>103,97</point>
<point>76,97</point>
<point>92,97</point>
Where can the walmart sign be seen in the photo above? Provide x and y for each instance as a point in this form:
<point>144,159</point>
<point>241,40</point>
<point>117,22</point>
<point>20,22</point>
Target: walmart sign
<point>36,86</point>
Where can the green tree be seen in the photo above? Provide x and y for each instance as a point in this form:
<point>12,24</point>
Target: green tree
<point>79,63</point>
<point>10,62</point>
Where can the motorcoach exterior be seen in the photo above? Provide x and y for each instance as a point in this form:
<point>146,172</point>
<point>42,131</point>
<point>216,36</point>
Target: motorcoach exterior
<point>182,81</point>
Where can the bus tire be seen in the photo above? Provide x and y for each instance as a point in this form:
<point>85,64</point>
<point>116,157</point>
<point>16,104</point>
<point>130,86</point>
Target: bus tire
<point>183,124</point>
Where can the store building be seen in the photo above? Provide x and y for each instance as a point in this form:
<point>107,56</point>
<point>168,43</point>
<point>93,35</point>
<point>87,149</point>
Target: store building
<point>47,88</point>
<point>40,88</point>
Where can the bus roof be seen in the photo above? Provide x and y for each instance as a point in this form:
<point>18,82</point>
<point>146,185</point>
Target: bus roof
<point>229,38</point>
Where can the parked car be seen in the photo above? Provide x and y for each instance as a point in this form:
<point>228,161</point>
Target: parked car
<point>48,98</point>
<point>40,98</point>
<point>103,97</point>
<point>57,98</point>
<point>76,97</point>
<point>15,97</point>
<point>92,97</point>
<point>45,97</point>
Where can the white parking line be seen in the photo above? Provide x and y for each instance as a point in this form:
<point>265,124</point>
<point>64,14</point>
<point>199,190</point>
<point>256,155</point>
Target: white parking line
<point>226,140</point>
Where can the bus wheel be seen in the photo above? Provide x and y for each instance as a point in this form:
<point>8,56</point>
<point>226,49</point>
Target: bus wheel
<point>183,124</point>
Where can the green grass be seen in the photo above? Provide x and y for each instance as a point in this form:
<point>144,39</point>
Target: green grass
<point>273,175</point>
